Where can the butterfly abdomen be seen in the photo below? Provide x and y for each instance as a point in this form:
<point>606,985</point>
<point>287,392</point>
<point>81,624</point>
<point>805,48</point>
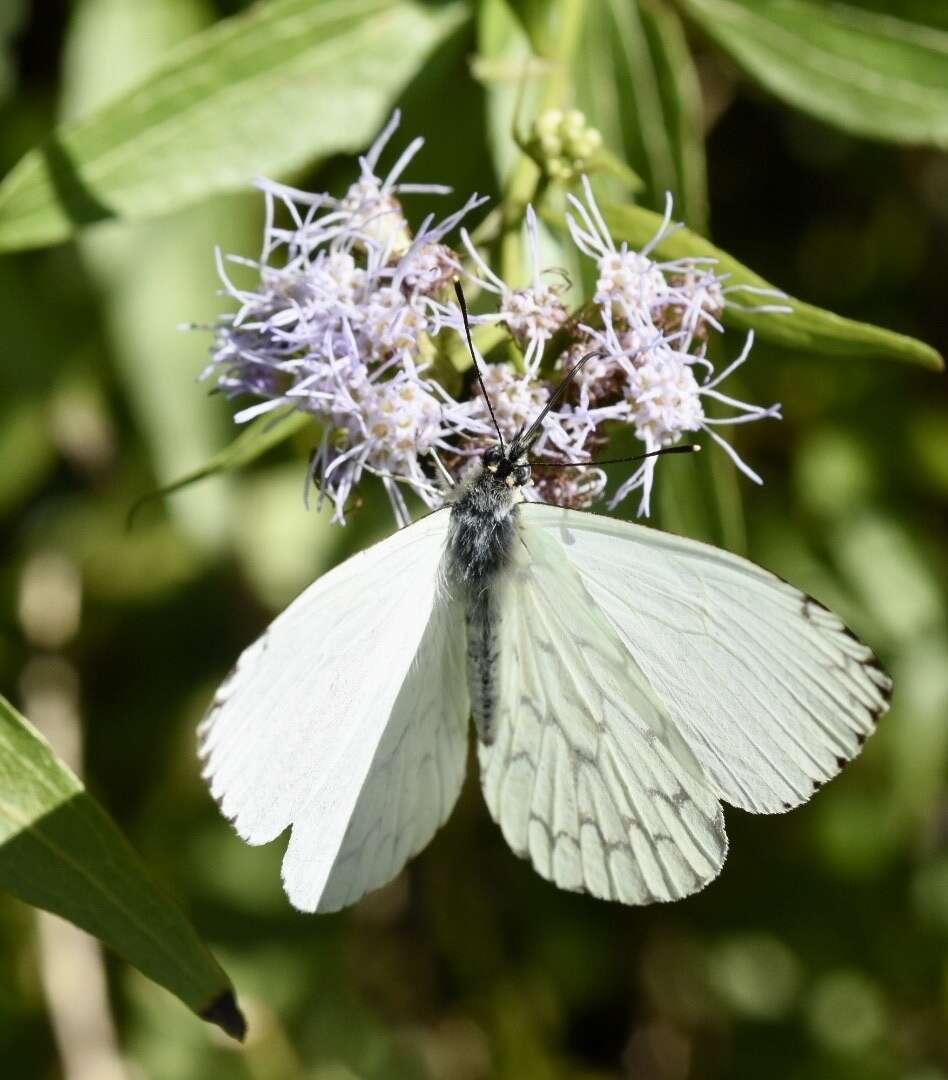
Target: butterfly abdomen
<point>482,655</point>
<point>480,543</point>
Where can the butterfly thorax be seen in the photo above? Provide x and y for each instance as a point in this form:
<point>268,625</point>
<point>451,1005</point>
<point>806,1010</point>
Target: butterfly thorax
<point>480,543</point>
<point>483,529</point>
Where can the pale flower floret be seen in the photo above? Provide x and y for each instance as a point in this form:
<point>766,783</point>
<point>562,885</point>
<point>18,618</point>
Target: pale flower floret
<point>336,279</point>
<point>376,216</point>
<point>391,323</point>
<point>429,268</point>
<point>402,420</point>
<point>386,428</point>
<point>663,399</point>
<point>702,291</point>
<point>516,399</point>
<point>576,488</point>
<point>348,306</point>
<point>630,284</point>
<point>532,314</point>
<point>340,323</point>
<point>700,297</point>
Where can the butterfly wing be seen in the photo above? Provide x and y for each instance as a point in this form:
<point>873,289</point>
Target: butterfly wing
<point>771,691</point>
<point>417,772</point>
<point>347,720</point>
<point>585,775</point>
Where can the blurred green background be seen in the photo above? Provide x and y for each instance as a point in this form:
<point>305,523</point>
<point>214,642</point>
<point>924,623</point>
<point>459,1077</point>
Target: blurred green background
<point>822,951</point>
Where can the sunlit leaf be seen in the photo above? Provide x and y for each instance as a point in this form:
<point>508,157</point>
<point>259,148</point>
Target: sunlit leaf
<point>279,85</point>
<point>681,499</point>
<point>683,109</point>
<point>60,851</point>
<point>930,442</point>
<point>256,439</point>
<point>888,571</point>
<point>153,275</point>
<point>635,81</point>
<point>871,73</point>
<point>513,78</point>
<point>282,544</point>
<point>918,742</point>
<point>727,498</point>
<point>926,12</point>
<point>809,330</point>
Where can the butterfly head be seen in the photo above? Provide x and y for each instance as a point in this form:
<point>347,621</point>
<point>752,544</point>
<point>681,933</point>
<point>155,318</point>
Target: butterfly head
<point>506,467</point>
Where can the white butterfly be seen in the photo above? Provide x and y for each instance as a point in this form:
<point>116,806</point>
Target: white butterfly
<point>623,682</point>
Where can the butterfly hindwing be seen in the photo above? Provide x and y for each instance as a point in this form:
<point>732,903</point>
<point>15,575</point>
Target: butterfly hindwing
<point>327,706</point>
<point>585,775</point>
<point>772,692</point>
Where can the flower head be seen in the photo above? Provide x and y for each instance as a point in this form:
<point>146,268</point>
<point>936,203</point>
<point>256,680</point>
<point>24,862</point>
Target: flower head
<point>345,319</point>
<point>532,314</point>
<point>656,388</point>
<point>339,323</point>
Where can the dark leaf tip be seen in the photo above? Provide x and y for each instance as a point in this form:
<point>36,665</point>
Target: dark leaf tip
<point>225,1012</point>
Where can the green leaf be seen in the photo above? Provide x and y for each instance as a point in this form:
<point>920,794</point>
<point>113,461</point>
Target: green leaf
<point>265,91</point>
<point>683,108</point>
<point>152,275</point>
<point>12,16</point>
<point>926,12</point>
<point>871,74</point>
<point>25,439</point>
<point>255,440</point>
<point>636,83</point>
<point>699,496</point>
<point>681,500</point>
<point>807,329</point>
<point>511,75</point>
<point>60,851</point>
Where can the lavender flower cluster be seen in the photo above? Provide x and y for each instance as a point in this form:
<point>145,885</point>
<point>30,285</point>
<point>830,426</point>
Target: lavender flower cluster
<point>350,310</point>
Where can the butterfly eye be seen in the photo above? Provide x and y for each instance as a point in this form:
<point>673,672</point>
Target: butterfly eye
<point>521,475</point>
<point>492,457</point>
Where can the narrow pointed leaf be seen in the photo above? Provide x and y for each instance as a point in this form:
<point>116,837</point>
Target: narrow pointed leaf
<point>254,441</point>
<point>808,329</point>
<point>868,72</point>
<point>683,109</point>
<point>60,851</point>
<point>270,89</point>
<point>636,83</point>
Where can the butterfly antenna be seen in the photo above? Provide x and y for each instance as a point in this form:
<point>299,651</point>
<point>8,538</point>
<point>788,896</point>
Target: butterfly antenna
<point>522,443</point>
<point>480,378</point>
<point>693,448</point>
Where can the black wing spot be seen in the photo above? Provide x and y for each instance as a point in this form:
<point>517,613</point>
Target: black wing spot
<point>811,605</point>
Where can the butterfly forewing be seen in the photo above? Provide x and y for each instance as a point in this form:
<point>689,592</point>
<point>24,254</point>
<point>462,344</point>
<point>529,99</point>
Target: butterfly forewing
<point>417,772</point>
<point>294,737</point>
<point>772,692</point>
<point>586,776</point>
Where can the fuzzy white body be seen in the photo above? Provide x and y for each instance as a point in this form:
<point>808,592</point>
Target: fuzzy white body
<point>481,537</point>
